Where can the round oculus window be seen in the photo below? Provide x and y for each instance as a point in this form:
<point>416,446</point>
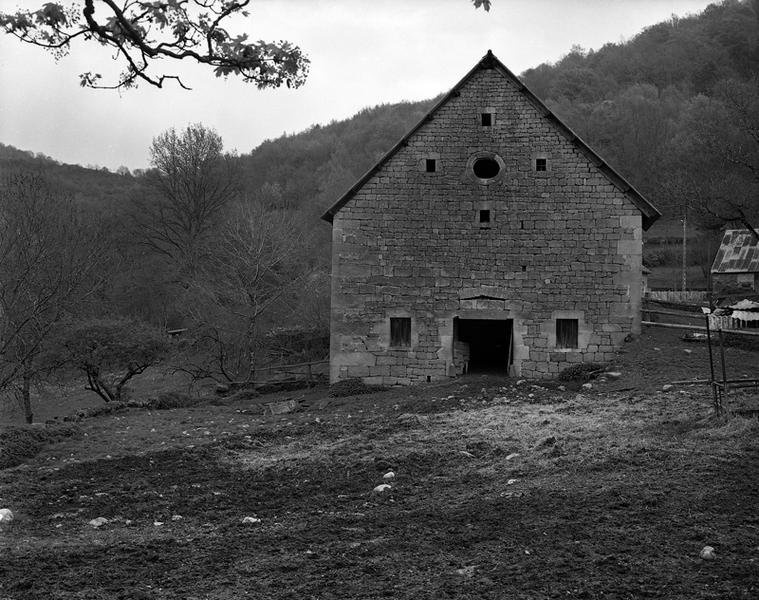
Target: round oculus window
<point>486,168</point>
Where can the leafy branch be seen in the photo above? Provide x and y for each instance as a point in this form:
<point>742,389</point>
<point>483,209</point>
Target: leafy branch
<point>144,33</point>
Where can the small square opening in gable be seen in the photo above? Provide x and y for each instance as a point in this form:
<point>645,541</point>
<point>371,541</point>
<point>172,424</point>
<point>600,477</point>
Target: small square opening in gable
<point>541,164</point>
<point>485,216</point>
<point>430,165</point>
<point>486,119</point>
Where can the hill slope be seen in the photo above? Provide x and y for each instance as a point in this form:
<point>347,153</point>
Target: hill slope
<point>95,188</point>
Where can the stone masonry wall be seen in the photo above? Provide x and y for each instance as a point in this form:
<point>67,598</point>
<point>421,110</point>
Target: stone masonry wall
<point>561,243</point>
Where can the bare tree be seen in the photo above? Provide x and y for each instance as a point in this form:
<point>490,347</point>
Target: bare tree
<point>255,273</point>
<point>50,262</point>
<point>192,184</point>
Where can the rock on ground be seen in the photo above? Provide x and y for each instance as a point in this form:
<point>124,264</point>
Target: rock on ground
<point>98,522</point>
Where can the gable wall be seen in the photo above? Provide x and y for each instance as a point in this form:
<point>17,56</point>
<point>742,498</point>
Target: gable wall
<point>409,244</point>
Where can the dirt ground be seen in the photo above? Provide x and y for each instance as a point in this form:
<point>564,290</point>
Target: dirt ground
<point>502,489</point>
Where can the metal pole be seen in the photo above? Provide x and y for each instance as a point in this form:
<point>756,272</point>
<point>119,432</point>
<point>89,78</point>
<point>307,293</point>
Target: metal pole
<point>685,242</point>
<point>711,360</point>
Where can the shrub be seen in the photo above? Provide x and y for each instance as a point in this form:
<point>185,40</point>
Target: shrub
<point>581,372</point>
<point>98,411</point>
<point>297,344</point>
<point>170,400</point>
<point>353,387</point>
<point>660,256</point>
<point>110,352</point>
<point>20,443</point>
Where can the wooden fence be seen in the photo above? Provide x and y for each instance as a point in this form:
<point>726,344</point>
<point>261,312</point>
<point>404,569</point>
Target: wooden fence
<point>310,372</point>
<point>731,323</point>
<point>690,297</point>
<point>652,316</point>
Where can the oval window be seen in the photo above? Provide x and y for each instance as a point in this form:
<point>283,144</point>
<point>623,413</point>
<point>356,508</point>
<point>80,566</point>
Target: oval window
<point>486,168</point>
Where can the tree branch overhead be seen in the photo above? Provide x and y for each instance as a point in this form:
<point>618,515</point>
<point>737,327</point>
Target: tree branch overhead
<point>144,33</point>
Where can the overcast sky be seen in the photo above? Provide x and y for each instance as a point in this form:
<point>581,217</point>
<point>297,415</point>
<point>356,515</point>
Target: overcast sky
<point>363,53</point>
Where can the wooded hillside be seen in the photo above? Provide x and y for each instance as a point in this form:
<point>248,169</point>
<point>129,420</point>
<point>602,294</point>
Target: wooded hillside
<point>673,109</point>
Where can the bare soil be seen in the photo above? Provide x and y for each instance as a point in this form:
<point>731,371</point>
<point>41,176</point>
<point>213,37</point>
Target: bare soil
<point>501,490</point>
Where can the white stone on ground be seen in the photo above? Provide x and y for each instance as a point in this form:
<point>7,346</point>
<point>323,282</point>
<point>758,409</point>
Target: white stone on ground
<point>99,522</point>
<point>381,488</point>
<point>707,553</point>
<point>389,476</point>
<point>6,516</point>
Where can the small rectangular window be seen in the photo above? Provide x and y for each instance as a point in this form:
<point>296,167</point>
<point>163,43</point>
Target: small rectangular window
<point>524,268</point>
<point>541,164</point>
<point>566,333</point>
<point>484,216</point>
<point>400,332</point>
<point>431,165</point>
<point>487,119</point>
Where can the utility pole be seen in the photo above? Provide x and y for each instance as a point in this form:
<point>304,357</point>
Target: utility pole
<point>685,245</point>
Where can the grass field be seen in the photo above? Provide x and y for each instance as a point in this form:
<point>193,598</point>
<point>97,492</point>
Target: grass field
<point>501,490</point>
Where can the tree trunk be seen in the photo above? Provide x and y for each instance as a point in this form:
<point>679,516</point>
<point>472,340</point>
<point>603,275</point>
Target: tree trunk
<point>26,398</point>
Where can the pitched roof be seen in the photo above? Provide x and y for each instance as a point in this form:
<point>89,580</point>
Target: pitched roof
<point>738,253</point>
<point>489,61</point>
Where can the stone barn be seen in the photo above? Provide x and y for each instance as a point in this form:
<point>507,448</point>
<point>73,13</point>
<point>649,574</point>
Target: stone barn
<point>489,238</point>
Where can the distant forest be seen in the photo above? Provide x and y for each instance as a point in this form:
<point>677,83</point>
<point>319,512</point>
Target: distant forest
<point>675,110</point>
<point>634,102</point>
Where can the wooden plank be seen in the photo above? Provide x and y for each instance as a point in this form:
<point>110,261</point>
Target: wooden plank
<point>282,369</point>
<point>749,382</point>
<point>696,327</point>
<point>674,313</point>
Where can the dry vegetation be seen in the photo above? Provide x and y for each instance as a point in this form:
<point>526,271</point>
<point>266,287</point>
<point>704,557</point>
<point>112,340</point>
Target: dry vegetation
<point>613,493</point>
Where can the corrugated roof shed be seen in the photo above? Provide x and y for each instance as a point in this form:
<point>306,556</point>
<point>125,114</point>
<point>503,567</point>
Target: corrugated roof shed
<point>738,253</point>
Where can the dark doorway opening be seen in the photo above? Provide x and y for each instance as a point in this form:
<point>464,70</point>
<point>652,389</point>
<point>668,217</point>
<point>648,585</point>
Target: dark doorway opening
<point>490,343</point>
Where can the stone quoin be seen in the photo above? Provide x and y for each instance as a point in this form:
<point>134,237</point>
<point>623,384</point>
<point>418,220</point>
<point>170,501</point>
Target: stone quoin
<point>490,237</point>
